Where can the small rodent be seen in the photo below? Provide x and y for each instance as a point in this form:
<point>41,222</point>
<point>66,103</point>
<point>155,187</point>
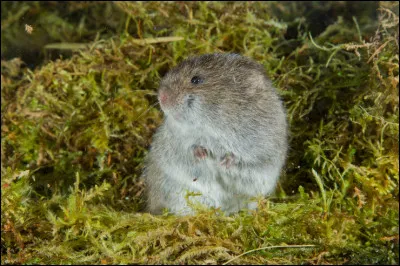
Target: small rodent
<point>224,135</point>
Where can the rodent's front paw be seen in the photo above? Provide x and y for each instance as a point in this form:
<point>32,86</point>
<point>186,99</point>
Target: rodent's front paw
<point>200,152</point>
<point>228,160</point>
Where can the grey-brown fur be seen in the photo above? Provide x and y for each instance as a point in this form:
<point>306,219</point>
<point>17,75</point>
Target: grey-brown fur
<point>225,137</point>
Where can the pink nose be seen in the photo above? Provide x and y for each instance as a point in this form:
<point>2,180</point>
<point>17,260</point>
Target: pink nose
<point>163,98</point>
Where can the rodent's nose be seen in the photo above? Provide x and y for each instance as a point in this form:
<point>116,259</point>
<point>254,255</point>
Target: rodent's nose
<point>163,97</point>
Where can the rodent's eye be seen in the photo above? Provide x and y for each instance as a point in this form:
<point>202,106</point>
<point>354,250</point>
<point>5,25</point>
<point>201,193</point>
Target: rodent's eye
<point>197,80</point>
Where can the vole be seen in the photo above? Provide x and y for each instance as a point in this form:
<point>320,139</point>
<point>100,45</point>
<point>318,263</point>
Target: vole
<point>224,135</point>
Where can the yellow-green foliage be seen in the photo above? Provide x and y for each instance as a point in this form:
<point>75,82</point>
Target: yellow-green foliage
<point>75,132</point>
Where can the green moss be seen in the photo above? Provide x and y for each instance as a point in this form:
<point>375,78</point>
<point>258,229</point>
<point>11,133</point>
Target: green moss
<point>75,132</point>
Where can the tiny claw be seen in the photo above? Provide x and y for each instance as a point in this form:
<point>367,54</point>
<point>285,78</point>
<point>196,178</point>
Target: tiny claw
<point>200,152</point>
<point>228,160</point>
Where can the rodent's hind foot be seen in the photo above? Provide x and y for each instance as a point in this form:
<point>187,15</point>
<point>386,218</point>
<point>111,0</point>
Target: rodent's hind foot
<point>199,152</point>
<point>228,160</point>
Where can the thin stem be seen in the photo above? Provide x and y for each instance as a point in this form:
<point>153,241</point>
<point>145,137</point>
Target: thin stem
<point>271,247</point>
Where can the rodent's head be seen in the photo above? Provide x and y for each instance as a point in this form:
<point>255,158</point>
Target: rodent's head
<point>204,87</point>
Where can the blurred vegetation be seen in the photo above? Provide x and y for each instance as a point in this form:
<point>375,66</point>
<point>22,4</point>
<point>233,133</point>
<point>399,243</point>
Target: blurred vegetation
<point>75,131</point>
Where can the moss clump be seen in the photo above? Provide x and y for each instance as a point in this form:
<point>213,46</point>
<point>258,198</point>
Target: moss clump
<point>52,23</point>
<point>75,132</point>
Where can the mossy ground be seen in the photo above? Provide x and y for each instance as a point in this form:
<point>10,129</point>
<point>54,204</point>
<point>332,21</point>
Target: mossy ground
<point>75,132</point>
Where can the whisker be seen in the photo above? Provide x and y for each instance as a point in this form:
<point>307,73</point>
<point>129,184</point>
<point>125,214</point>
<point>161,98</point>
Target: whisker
<point>145,111</point>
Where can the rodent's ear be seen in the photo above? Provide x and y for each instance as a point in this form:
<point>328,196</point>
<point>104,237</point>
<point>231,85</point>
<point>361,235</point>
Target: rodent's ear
<point>197,80</point>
